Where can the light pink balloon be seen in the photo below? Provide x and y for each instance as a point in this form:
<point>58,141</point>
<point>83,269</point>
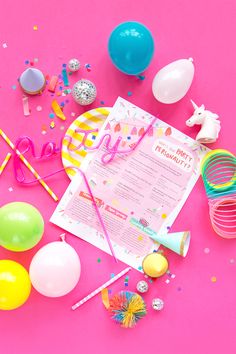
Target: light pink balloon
<point>55,269</point>
<point>173,81</point>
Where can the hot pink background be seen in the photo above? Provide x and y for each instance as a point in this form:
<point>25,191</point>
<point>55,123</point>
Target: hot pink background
<point>199,315</point>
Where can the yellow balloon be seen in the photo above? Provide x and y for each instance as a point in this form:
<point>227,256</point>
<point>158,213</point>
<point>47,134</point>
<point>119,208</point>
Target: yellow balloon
<point>15,285</point>
<point>155,265</point>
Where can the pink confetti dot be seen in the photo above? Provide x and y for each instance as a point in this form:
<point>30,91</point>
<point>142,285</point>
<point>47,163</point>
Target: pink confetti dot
<point>206,250</point>
<point>39,108</point>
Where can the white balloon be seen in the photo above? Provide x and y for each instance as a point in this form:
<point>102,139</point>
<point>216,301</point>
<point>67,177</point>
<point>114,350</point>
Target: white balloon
<point>55,269</point>
<point>173,81</point>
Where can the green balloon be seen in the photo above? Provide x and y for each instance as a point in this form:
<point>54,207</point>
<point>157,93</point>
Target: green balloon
<point>21,226</point>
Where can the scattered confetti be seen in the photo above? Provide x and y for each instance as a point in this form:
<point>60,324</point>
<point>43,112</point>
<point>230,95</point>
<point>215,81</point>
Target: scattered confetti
<point>67,91</point>
<point>51,115</point>
<point>13,87</point>
<point>52,125</point>
<point>65,77</point>
<point>53,84</point>
<point>109,291</point>
<point>213,279</point>
<point>26,62</point>
<point>72,114</point>
<point>99,260</point>
<point>36,60</point>
<point>232,261</point>
<point>39,108</point>
<point>35,28</point>
<point>4,45</point>
<point>57,109</point>
<point>129,93</point>
<point>26,109</point>
<point>164,216</point>
<point>102,102</point>
<point>179,288</point>
<point>167,281</point>
<point>140,268</point>
<point>62,127</point>
<point>10,189</point>
<point>206,250</point>
<point>88,67</point>
<point>112,275</point>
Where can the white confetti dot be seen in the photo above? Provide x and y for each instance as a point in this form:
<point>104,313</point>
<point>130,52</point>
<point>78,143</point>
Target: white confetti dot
<point>39,108</point>
<point>10,189</point>
<point>232,261</point>
<point>206,250</point>
<point>4,45</point>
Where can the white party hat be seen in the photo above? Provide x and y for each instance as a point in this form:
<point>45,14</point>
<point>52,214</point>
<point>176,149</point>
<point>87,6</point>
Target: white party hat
<point>32,81</point>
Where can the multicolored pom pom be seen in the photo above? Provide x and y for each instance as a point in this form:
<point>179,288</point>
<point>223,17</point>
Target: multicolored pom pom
<point>127,308</point>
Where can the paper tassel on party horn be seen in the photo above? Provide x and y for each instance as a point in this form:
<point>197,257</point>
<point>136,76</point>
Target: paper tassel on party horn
<point>177,241</point>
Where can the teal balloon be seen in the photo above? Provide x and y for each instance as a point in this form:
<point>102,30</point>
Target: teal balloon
<point>21,226</point>
<point>131,47</point>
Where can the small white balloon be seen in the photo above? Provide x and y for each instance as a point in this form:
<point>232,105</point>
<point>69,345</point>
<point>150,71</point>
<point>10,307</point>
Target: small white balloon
<point>55,269</point>
<point>173,81</point>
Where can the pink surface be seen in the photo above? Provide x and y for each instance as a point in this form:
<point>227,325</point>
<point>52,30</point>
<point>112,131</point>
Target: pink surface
<point>199,315</point>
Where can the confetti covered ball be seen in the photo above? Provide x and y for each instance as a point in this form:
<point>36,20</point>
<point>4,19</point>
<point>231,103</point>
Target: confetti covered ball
<point>127,308</point>
<point>157,304</point>
<point>84,92</point>
<point>74,65</point>
<point>142,286</point>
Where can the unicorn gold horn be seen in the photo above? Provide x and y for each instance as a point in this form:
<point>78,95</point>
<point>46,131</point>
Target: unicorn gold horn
<point>177,241</point>
<point>194,105</point>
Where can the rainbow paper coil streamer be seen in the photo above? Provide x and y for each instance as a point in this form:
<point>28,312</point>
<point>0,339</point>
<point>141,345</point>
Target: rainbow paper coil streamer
<point>218,171</point>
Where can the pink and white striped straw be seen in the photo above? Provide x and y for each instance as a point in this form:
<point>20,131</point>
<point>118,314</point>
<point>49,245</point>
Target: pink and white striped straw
<point>98,290</point>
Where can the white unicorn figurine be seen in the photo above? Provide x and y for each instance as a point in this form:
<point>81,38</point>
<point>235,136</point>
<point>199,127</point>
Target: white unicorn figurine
<point>209,122</point>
